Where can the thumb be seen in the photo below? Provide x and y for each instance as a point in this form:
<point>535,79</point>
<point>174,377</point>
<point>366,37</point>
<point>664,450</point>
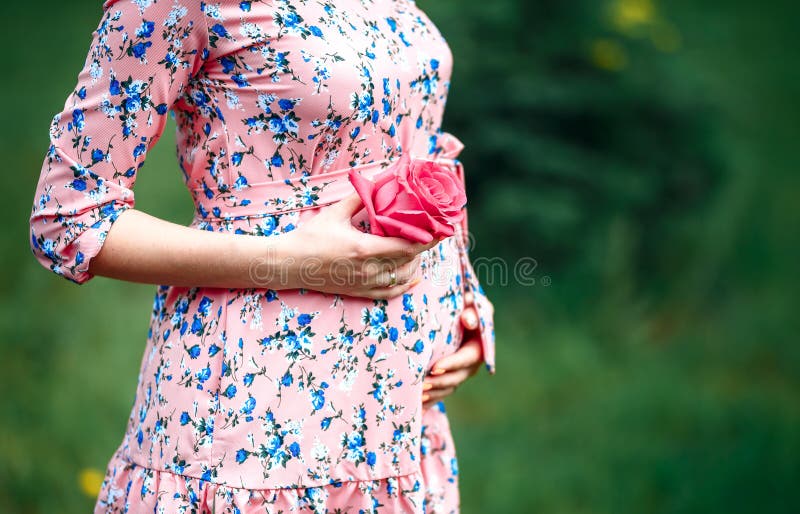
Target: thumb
<point>467,355</point>
<point>346,207</point>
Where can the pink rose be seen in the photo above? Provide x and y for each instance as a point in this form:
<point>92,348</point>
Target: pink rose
<point>416,199</point>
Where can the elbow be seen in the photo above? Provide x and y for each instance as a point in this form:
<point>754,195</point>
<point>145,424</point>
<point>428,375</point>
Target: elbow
<point>65,242</point>
<point>47,243</point>
<point>71,217</point>
<point>73,209</point>
<point>43,249</point>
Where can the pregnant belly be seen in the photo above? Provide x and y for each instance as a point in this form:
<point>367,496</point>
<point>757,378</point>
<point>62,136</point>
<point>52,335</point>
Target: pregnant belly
<point>294,388</point>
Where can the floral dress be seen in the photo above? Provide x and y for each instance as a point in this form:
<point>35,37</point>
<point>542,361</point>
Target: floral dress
<point>262,400</point>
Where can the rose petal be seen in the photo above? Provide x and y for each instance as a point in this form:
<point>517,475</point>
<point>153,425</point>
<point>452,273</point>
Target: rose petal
<point>389,174</point>
<point>424,220</point>
<point>406,201</point>
<point>430,192</point>
<point>364,189</point>
<point>402,168</point>
<point>400,229</point>
<point>385,195</point>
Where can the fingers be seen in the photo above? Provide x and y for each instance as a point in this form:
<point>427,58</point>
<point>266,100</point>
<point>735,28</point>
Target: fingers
<point>427,246</point>
<point>436,387</point>
<point>385,293</point>
<point>469,318</point>
<point>452,371</point>
<point>409,271</point>
<point>468,355</point>
<point>430,398</point>
<point>346,207</point>
<point>374,283</point>
<point>451,379</point>
<point>395,249</point>
<point>381,274</point>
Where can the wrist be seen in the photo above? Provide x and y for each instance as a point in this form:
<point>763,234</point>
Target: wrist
<point>266,262</point>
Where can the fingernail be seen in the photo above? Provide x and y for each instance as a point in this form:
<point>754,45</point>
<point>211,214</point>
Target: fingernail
<point>437,371</point>
<point>427,386</point>
<point>469,298</point>
<point>425,398</point>
<point>469,320</point>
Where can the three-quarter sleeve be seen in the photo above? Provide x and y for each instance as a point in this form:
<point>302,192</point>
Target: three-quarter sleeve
<point>450,148</point>
<point>141,58</point>
<point>483,305</point>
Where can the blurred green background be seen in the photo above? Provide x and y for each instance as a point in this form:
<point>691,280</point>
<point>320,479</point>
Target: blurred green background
<point>643,152</point>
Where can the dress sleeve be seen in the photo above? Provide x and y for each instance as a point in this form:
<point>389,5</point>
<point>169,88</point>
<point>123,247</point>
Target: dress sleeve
<point>485,309</point>
<point>451,147</point>
<point>142,55</point>
<point>483,305</point>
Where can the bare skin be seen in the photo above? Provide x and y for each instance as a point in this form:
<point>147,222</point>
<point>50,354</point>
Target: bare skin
<point>326,253</point>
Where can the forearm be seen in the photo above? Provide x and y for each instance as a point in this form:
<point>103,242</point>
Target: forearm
<point>142,248</point>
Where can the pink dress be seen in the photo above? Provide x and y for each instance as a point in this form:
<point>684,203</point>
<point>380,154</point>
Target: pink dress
<point>260,400</point>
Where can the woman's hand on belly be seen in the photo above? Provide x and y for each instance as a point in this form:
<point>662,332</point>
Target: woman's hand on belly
<point>327,253</point>
<point>454,369</point>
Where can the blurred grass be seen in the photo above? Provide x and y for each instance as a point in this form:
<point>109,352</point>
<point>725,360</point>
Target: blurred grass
<point>660,370</point>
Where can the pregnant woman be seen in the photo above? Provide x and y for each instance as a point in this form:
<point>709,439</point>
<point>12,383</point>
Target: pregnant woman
<point>296,353</point>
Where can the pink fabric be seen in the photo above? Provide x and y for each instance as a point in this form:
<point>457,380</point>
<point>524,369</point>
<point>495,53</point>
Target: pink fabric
<point>129,487</point>
<point>254,400</point>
